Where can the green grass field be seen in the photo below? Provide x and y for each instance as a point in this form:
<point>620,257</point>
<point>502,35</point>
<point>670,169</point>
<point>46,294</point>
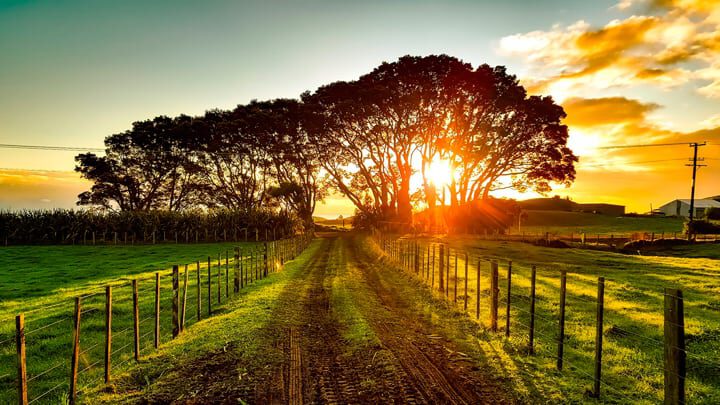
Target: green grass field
<point>633,326</point>
<point>42,281</point>
<point>562,222</point>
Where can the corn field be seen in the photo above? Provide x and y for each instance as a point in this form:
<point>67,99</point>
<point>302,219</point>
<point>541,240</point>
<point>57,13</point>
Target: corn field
<point>86,227</point>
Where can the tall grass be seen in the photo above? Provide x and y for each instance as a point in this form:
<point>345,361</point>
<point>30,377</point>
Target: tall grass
<point>77,226</point>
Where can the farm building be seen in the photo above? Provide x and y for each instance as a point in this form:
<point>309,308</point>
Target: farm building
<point>681,207</point>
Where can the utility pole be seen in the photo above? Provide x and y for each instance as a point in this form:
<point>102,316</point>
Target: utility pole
<point>694,165</point>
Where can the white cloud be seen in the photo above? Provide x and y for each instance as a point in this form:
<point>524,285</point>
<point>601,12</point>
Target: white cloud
<point>679,44</point>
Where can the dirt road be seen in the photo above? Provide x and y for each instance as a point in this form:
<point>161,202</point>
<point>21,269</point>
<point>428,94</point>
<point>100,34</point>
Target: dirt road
<point>342,332</point>
<point>411,362</point>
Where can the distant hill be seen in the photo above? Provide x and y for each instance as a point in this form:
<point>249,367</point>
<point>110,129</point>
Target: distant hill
<point>562,204</point>
<point>336,221</point>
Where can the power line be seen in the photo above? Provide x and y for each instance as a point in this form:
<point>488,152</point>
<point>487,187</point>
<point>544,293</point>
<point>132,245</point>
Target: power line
<point>645,145</point>
<point>49,147</point>
<point>15,169</point>
<point>632,163</point>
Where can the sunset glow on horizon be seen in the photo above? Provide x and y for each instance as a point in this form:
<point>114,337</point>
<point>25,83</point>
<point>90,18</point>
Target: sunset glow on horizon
<point>630,72</point>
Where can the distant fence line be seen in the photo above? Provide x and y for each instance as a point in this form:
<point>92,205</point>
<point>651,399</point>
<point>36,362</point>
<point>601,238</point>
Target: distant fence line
<point>607,238</point>
<point>249,265</point>
<point>431,263</point>
<point>586,238</point>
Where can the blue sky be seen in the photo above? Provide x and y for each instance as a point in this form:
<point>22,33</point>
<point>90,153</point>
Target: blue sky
<point>73,72</point>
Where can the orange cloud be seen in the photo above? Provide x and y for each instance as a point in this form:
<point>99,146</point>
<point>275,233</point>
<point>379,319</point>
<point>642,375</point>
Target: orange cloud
<point>588,112</point>
<point>636,177</point>
<point>598,123</point>
<point>679,45</point>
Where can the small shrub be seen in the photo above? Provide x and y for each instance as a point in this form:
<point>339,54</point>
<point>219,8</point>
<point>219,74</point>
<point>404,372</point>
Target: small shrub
<point>702,227</point>
<point>713,213</point>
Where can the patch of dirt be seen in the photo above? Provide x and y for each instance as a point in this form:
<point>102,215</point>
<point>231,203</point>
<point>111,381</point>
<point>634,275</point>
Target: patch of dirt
<point>211,378</point>
<point>431,369</point>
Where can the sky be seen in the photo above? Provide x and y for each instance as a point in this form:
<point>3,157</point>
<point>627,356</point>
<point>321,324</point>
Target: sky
<point>626,71</point>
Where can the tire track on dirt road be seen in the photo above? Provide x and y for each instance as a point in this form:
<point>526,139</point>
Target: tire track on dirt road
<point>425,361</point>
<point>316,370</point>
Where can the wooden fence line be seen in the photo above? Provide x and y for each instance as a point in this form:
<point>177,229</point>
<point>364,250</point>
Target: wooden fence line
<point>674,336</point>
<point>299,243</point>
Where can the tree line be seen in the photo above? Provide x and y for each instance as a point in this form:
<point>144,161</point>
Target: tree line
<point>365,138</point>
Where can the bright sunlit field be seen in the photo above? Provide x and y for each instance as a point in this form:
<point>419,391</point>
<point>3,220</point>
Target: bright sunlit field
<point>564,223</point>
<point>42,281</point>
<point>633,325</point>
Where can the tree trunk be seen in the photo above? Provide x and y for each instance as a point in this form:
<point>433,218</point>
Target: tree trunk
<point>404,208</point>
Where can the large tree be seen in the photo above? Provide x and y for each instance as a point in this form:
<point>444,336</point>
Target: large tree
<point>497,137</point>
<point>378,130</point>
<point>283,126</point>
<point>144,168</point>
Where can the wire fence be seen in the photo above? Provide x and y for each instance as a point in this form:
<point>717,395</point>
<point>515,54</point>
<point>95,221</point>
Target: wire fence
<point>141,318</point>
<point>611,239</point>
<point>611,344</point>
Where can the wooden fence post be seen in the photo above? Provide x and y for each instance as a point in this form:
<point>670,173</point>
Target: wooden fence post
<point>219,278</point>
<point>561,334</point>
<point>156,340</point>
<point>494,290</point>
<point>599,335</point>
<point>209,292</point>
<point>175,301</point>
<point>447,273</point>
<point>108,332</point>
<point>265,259</point>
<point>531,339</point>
<point>243,270</point>
<point>184,301</point>
<point>674,347</point>
<point>227,274</point>
<point>477,291</point>
<point>199,292</point>
<point>432,269</point>
<point>136,320</point>
<point>426,274</point>
<point>75,353</point>
<point>21,364</point>
<point>416,264</point>
<point>466,284</point>
<point>456,279</point>
<point>236,280</point>
<point>509,297</point>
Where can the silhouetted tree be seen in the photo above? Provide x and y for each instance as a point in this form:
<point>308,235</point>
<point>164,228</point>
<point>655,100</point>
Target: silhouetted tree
<point>282,125</point>
<point>368,137</point>
<point>481,120</point>
<point>144,168</point>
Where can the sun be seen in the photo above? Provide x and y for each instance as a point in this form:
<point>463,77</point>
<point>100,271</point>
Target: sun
<point>440,172</point>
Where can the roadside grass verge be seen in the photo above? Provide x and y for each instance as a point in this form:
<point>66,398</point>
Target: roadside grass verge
<point>237,336</point>
<point>441,320</point>
<point>633,326</point>
<point>42,281</point>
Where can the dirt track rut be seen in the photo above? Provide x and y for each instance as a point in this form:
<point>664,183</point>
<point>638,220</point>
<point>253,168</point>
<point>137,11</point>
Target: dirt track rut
<point>415,366</point>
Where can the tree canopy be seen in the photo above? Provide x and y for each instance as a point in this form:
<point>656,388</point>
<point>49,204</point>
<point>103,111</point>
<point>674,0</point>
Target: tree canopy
<point>373,140</point>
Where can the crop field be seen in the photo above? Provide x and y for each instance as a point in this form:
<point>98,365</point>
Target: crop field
<point>632,359</point>
<point>562,222</point>
<point>42,281</point>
